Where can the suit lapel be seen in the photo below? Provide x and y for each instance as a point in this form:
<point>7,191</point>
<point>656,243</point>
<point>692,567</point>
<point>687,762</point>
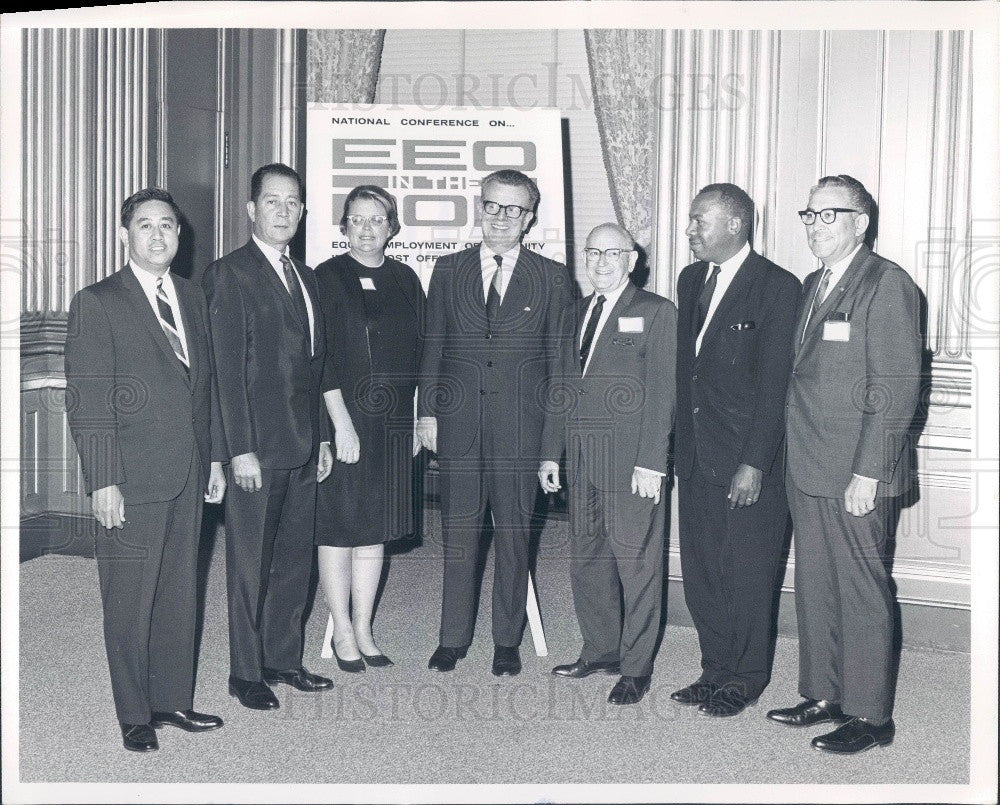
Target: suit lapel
<point>272,280</point>
<point>691,302</point>
<point>192,321</point>
<point>848,282</point>
<point>516,295</point>
<point>149,319</point>
<point>599,347</point>
<point>737,289</point>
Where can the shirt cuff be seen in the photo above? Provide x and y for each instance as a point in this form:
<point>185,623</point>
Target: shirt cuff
<point>865,478</point>
<point>655,472</point>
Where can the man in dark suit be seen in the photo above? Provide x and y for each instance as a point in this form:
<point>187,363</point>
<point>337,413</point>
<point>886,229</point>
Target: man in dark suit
<point>143,412</point>
<point>490,312</point>
<point>268,337</point>
<point>737,312</point>
<point>611,409</point>
<point>851,399</point>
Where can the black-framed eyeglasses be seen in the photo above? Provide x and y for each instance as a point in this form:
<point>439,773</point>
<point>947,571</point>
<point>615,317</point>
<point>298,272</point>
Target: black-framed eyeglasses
<point>827,216</point>
<point>594,255</point>
<point>512,210</point>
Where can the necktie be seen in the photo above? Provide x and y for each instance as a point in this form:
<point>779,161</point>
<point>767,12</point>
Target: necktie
<point>298,301</point>
<point>493,297</point>
<point>169,324</point>
<point>818,298</point>
<point>705,297</point>
<point>588,333</point>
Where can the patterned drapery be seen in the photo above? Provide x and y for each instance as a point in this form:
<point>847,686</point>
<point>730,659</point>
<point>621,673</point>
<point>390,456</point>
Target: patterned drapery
<point>343,65</point>
<point>623,66</point>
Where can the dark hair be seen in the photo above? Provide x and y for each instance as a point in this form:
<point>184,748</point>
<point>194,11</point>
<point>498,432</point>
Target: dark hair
<point>514,178</point>
<point>377,194</point>
<point>736,201</point>
<point>274,169</point>
<point>860,197</point>
<point>141,197</point>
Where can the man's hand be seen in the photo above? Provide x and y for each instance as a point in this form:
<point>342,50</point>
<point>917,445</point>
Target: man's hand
<point>548,476</point>
<point>859,497</point>
<point>216,483</point>
<point>646,484</point>
<point>348,443</point>
<point>246,471</point>
<point>109,506</point>
<point>427,431</point>
<point>744,489</point>
<point>325,463</point>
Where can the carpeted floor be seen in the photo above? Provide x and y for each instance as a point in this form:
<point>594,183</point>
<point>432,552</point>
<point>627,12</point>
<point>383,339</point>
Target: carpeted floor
<point>407,724</point>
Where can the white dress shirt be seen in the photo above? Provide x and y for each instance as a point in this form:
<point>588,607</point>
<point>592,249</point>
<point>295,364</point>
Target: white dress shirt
<point>274,258</point>
<point>148,281</point>
<point>837,271</point>
<point>489,266</point>
<point>727,271</point>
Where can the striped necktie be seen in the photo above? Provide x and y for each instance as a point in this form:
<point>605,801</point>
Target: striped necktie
<point>169,324</point>
<point>818,297</point>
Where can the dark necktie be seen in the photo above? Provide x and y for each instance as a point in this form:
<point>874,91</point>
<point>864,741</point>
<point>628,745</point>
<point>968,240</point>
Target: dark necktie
<point>298,301</point>
<point>818,297</point>
<point>169,324</point>
<point>493,296</point>
<point>588,333</point>
<point>705,297</point>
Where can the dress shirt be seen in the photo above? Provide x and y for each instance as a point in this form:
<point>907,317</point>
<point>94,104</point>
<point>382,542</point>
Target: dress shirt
<point>837,271</point>
<point>727,271</point>
<point>489,266</point>
<point>274,258</point>
<point>148,281</point>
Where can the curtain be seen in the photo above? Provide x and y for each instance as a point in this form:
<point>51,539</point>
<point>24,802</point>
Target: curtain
<point>343,66</point>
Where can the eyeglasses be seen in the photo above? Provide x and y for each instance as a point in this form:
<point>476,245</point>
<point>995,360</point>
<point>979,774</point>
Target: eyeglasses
<point>361,220</point>
<point>594,255</point>
<point>512,210</point>
<point>827,216</point>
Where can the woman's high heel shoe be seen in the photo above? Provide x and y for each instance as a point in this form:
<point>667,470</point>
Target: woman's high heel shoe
<point>348,666</point>
<point>377,660</point>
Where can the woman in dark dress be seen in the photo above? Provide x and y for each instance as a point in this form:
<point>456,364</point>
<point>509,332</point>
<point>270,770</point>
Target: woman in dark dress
<point>373,307</point>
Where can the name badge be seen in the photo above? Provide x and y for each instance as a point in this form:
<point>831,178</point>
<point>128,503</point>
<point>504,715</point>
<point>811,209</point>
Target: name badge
<point>368,283</point>
<point>836,331</point>
<point>630,324</point>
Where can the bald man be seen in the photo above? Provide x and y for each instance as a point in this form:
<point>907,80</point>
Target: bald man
<point>611,409</point>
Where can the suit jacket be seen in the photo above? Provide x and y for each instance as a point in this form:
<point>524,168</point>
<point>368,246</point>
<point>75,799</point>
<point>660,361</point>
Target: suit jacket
<point>269,386</point>
<point>619,415</point>
<point>851,402</point>
<point>137,416</point>
<point>469,368</point>
<point>731,395</point>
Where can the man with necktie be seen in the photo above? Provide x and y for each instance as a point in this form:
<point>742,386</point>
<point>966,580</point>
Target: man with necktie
<point>268,337</point>
<point>852,395</point>
<point>491,311</point>
<point>737,312</point>
<point>142,408</point>
<point>611,410</point>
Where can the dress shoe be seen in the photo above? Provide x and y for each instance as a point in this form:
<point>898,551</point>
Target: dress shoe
<point>299,678</point>
<point>506,661</point>
<point>726,701</point>
<point>377,660</point>
<point>696,693</point>
<point>139,738</point>
<point>348,666</point>
<point>582,668</point>
<point>445,657</point>
<point>255,695</point>
<point>855,736</point>
<point>629,690</point>
<point>807,713</point>
<point>187,720</point>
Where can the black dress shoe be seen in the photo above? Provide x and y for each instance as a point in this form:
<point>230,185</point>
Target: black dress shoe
<point>348,666</point>
<point>696,693</point>
<point>629,690</point>
<point>139,738</point>
<point>506,661</point>
<point>299,678</point>
<point>807,713</point>
<point>377,660</point>
<point>582,668</point>
<point>445,657</point>
<point>255,695</point>
<point>855,736</point>
<point>187,720</point>
<point>726,701</point>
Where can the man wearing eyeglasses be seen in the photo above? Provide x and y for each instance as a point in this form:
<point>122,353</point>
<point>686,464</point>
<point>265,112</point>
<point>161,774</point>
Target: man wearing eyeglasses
<point>851,398</point>
<point>737,313</point>
<point>490,313</point>
<point>612,410</point>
